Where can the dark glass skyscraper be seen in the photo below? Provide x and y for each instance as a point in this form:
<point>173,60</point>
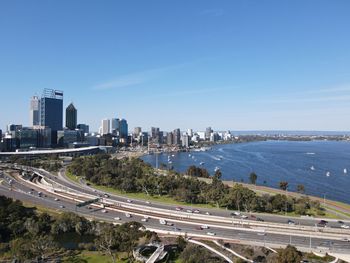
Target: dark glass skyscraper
<point>123,126</point>
<point>51,111</point>
<point>71,117</point>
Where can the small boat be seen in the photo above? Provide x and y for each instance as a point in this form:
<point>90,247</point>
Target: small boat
<point>328,174</point>
<point>216,169</point>
<point>173,155</point>
<point>201,163</point>
<point>312,168</point>
<point>189,155</point>
<point>345,171</point>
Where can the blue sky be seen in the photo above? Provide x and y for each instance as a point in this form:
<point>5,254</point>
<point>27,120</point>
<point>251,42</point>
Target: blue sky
<point>240,65</point>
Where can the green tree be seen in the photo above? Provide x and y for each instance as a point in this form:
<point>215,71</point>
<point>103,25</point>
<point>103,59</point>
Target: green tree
<point>283,185</point>
<point>108,242</point>
<point>253,177</point>
<point>288,255</point>
<point>300,188</point>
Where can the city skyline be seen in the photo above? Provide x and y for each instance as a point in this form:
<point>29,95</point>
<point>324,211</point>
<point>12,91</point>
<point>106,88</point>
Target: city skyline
<point>286,69</point>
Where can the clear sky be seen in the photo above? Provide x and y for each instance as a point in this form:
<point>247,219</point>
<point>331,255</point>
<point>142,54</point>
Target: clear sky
<point>240,65</point>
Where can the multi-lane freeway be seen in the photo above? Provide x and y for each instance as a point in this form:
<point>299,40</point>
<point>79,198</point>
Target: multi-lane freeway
<point>57,192</point>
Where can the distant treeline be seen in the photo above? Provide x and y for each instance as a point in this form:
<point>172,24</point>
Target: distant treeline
<point>134,176</point>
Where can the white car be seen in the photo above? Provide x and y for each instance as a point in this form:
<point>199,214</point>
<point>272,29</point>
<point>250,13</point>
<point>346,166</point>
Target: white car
<point>144,220</point>
<point>148,202</point>
<point>211,234</point>
<point>129,201</point>
<point>244,216</point>
<point>207,213</point>
<point>104,211</point>
<point>345,239</point>
<point>236,213</point>
<point>162,222</point>
<point>196,211</point>
<point>127,215</point>
<point>61,206</point>
<point>117,218</point>
<point>204,227</point>
<point>189,211</point>
<point>56,199</point>
<point>345,226</point>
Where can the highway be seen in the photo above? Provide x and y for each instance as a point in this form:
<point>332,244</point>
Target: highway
<point>63,195</point>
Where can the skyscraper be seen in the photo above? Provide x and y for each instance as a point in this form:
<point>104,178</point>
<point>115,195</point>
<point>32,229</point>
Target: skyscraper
<point>177,137</point>
<point>71,117</point>
<point>34,111</point>
<point>123,129</point>
<point>115,129</point>
<point>51,109</point>
<point>105,126</point>
<point>208,132</point>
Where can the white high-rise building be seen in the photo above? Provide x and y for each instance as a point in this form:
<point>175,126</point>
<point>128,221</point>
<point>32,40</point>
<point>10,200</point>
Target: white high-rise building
<point>34,111</point>
<point>105,127</point>
<point>190,132</point>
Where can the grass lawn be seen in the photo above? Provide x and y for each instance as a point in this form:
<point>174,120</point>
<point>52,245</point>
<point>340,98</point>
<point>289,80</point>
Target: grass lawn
<point>92,257</point>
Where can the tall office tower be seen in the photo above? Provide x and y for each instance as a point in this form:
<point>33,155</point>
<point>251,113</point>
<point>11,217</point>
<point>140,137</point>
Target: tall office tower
<point>51,112</point>
<point>190,132</point>
<point>208,132</point>
<point>170,138</point>
<point>115,129</point>
<point>51,109</point>
<point>34,111</point>
<point>137,131</point>
<point>105,126</point>
<point>123,129</point>
<point>177,137</point>
<point>71,117</point>
<point>154,132</point>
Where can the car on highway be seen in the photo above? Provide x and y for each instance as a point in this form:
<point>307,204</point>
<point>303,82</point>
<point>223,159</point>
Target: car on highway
<point>211,233</point>
<point>104,211</point>
<point>178,208</point>
<point>189,211</point>
<point>345,226</point>
<point>340,222</point>
<point>199,228</point>
<point>170,224</point>
<point>117,218</point>
<point>162,222</point>
<point>244,216</point>
<point>261,234</point>
<point>260,219</point>
<point>196,211</point>
<point>207,213</point>
<point>56,199</point>
<point>30,192</point>
<point>204,227</point>
<point>127,215</point>
<point>61,206</point>
<point>235,213</point>
<point>323,222</point>
<point>148,202</point>
<point>129,201</point>
<point>106,195</point>
<point>290,222</point>
<point>144,219</point>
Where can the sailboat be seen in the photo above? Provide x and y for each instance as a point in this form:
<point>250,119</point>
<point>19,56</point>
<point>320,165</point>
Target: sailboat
<point>312,168</point>
<point>328,174</point>
<point>345,171</point>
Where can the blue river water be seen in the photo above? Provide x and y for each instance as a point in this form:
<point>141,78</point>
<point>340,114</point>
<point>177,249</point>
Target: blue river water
<point>323,167</point>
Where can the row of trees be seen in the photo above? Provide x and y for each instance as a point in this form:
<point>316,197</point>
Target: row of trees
<point>133,175</point>
<point>27,235</point>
